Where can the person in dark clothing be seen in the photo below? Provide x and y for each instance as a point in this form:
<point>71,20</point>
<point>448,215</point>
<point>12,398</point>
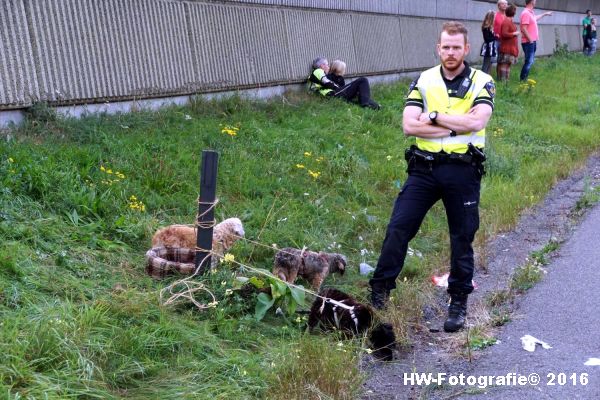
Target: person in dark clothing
<point>447,110</point>
<point>358,89</point>
<point>586,22</point>
<point>488,48</point>
<point>590,38</point>
<point>337,70</point>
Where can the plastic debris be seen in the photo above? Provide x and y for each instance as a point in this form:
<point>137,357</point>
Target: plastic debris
<point>365,269</point>
<point>442,281</point>
<point>414,253</point>
<point>593,362</point>
<point>529,343</point>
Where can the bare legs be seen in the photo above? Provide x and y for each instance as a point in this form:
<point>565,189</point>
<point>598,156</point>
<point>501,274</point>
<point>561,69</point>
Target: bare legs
<point>503,71</point>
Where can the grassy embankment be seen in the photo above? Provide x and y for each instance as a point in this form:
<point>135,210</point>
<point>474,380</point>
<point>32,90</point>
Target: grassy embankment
<point>79,318</point>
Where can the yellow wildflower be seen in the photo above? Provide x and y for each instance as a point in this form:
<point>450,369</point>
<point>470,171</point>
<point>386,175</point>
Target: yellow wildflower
<point>320,159</point>
<point>300,166</point>
<point>314,174</point>
<point>10,160</point>
<point>531,81</point>
<point>102,168</point>
<point>136,204</point>
<point>230,130</point>
<point>307,154</point>
<point>389,158</point>
<point>228,258</point>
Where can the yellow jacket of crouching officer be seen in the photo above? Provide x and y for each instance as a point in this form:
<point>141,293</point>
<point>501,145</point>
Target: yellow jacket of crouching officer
<point>317,80</point>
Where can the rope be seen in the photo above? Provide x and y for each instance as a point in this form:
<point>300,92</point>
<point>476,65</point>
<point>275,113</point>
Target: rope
<point>273,248</point>
<point>206,224</point>
<point>191,287</point>
<point>195,286</point>
<point>310,292</point>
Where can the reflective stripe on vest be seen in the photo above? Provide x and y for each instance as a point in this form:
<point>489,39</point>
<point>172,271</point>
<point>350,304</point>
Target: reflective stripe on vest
<point>315,79</point>
<point>435,98</point>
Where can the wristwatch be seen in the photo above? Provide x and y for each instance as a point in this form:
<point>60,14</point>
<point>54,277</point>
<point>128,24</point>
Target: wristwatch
<point>433,116</point>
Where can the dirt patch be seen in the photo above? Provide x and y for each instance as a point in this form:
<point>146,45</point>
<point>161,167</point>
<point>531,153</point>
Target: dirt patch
<point>435,351</point>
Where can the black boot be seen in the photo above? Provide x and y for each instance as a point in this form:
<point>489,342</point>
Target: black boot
<point>373,105</point>
<point>379,294</point>
<point>457,311</point>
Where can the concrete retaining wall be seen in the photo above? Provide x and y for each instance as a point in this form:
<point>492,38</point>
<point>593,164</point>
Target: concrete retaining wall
<point>91,51</point>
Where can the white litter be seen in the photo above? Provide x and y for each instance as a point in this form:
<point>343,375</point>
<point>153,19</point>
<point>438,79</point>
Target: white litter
<point>442,281</point>
<point>593,362</point>
<point>529,343</point>
<point>414,253</point>
<point>365,269</point>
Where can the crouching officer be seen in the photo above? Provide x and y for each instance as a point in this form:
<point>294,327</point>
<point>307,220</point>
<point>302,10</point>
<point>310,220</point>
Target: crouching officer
<point>318,80</point>
<point>447,109</point>
<point>359,89</point>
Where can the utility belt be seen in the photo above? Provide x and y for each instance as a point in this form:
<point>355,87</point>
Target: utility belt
<point>474,156</point>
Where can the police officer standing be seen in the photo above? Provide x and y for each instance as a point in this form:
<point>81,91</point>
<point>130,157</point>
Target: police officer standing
<point>447,110</point>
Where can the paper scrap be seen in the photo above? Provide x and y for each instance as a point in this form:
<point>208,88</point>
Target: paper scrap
<point>594,362</point>
<point>442,280</point>
<point>365,269</point>
<point>529,343</point>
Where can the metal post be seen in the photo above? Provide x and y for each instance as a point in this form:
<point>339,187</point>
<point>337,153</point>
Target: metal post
<point>206,211</point>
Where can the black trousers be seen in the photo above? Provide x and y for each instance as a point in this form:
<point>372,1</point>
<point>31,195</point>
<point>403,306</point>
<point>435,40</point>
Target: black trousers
<point>358,88</point>
<point>458,186</point>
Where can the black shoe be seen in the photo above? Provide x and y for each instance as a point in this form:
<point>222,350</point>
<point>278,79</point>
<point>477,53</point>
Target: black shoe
<point>379,295</point>
<point>457,311</point>
<point>373,105</point>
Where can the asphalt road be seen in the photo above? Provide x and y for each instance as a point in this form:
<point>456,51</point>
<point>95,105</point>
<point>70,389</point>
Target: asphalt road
<point>563,310</point>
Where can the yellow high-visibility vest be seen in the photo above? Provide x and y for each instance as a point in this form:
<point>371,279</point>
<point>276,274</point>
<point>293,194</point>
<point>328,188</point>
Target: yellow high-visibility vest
<point>434,93</point>
<point>315,82</point>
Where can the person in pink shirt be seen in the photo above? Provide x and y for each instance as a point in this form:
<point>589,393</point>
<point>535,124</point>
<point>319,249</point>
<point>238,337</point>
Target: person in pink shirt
<point>529,35</point>
<point>499,17</point>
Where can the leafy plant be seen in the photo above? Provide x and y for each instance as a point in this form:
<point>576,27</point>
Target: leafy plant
<point>481,342</point>
<point>286,297</point>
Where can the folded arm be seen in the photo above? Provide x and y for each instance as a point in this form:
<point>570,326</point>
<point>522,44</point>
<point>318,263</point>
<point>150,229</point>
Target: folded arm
<point>414,125</point>
<point>473,121</point>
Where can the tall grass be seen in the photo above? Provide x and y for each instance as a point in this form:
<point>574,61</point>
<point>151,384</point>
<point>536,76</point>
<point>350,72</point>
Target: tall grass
<point>80,319</point>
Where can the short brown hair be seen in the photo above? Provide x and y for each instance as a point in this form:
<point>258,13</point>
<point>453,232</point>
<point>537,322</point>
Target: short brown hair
<point>454,28</point>
<point>511,11</point>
